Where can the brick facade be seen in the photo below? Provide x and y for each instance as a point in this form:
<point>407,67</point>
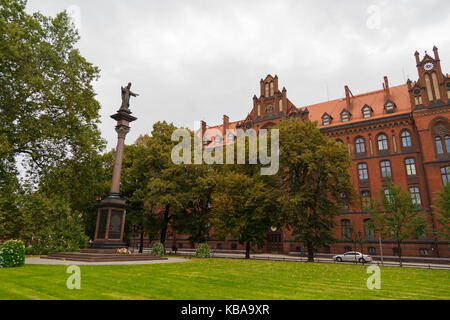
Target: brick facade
<point>395,129</point>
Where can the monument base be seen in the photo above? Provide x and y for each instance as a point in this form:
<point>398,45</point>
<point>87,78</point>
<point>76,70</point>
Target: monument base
<point>110,223</point>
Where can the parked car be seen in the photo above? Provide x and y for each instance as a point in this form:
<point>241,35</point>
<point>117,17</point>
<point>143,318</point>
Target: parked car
<point>352,256</point>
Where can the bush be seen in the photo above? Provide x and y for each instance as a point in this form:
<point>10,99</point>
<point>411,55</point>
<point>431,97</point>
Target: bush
<point>202,251</point>
<point>158,249</point>
<point>12,254</point>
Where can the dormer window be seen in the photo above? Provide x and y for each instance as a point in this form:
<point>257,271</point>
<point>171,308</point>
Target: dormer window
<point>367,111</point>
<point>326,119</point>
<point>389,106</point>
<point>218,139</point>
<point>345,115</point>
<point>230,137</point>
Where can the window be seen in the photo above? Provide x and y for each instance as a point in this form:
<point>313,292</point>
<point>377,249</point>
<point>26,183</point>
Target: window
<point>372,251</point>
<point>447,143</point>
<point>363,173</point>
<point>346,232</point>
<point>439,147</point>
<point>218,139</point>
<point>366,111</point>
<point>259,110</point>
<point>410,167</point>
<point>365,199</point>
<point>385,169</point>
<point>271,89</point>
<point>280,105</point>
<point>389,106</point>
<point>368,232</point>
<point>230,137</point>
<point>423,252</point>
<point>267,90</point>
<point>326,119</point>
<point>445,173</point>
<point>406,139</point>
<point>387,194</point>
<point>415,195</point>
<point>382,142</point>
<point>360,145</point>
<point>345,115</point>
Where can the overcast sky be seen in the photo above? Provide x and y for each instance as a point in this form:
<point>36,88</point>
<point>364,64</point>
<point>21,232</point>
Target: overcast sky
<point>198,60</point>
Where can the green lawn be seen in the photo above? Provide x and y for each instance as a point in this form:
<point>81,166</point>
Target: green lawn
<point>223,279</point>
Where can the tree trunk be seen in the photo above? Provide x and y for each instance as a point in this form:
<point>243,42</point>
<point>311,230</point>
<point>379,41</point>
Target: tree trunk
<point>247,250</point>
<point>310,249</point>
<point>141,245</point>
<point>165,225</point>
<point>399,248</point>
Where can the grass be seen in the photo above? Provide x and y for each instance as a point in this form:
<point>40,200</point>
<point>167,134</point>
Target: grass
<point>203,279</point>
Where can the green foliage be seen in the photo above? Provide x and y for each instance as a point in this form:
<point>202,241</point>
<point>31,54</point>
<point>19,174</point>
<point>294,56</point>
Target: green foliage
<point>443,211</point>
<point>158,249</point>
<point>12,254</point>
<point>396,217</point>
<point>49,118</point>
<point>245,207</point>
<point>315,182</point>
<point>202,251</point>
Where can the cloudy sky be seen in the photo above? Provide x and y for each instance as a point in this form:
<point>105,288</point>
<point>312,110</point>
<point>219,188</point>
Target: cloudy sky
<point>197,60</point>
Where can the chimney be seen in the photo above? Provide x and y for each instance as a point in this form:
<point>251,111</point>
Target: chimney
<point>347,97</point>
<point>386,88</point>
<point>275,84</point>
<point>202,129</point>
<point>436,54</point>
<point>226,125</point>
<point>262,87</point>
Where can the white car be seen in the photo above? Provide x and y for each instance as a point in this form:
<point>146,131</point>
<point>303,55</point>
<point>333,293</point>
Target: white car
<point>352,256</point>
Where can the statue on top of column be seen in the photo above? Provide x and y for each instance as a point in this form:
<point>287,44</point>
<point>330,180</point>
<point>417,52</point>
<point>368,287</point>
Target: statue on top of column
<point>126,93</point>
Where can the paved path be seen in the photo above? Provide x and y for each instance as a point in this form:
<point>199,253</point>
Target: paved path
<point>36,260</point>
<point>281,257</point>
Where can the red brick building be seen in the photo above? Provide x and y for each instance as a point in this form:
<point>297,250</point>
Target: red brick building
<point>400,133</point>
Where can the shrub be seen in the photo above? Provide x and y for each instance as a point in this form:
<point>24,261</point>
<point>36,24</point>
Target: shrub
<point>158,249</point>
<point>12,254</point>
<point>202,251</point>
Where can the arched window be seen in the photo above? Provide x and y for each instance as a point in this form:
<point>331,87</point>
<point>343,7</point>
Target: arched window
<point>360,145</point>
<point>406,139</point>
<point>445,174</point>
<point>267,90</point>
<point>368,231</point>
<point>363,173</point>
<point>385,169</point>
<point>382,142</point>
<point>230,137</point>
<point>410,165</point>
<point>346,229</point>
<point>439,146</point>
<point>447,143</point>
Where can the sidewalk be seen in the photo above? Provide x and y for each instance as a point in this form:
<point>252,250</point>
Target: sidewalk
<point>289,258</point>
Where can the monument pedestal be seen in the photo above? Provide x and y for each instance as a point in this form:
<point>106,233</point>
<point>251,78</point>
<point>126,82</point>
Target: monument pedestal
<point>110,224</point>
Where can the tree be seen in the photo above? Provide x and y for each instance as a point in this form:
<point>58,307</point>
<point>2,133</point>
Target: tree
<point>315,182</point>
<point>443,209</point>
<point>48,109</point>
<point>397,216</point>
<point>244,207</point>
<point>48,113</point>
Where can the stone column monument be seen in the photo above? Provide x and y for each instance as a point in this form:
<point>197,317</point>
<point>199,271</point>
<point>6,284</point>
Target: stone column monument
<point>112,209</point>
